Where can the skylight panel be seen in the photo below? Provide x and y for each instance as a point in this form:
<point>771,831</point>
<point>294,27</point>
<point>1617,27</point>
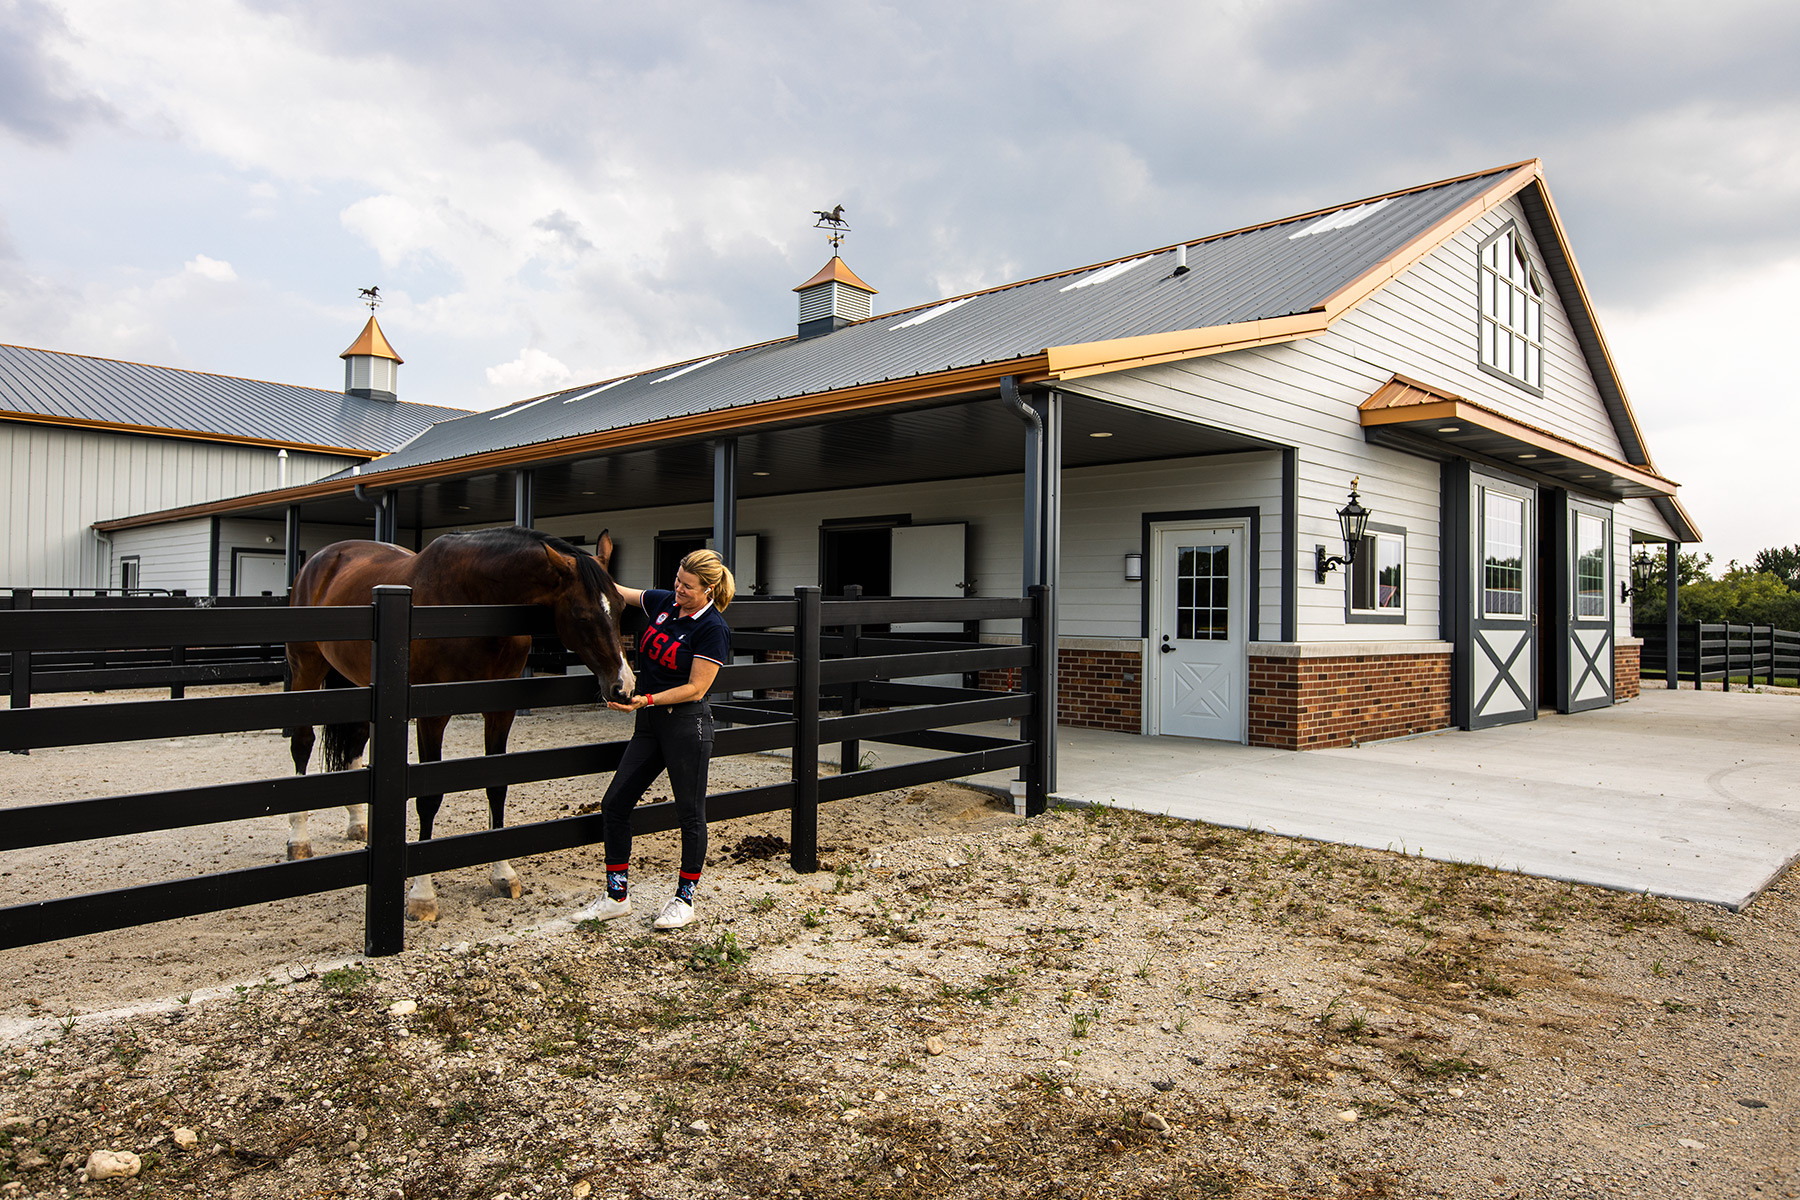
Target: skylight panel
<point>931,313</point>
<point>595,391</point>
<point>507,412</point>
<point>690,367</point>
<point>1343,218</point>
<point>1105,273</point>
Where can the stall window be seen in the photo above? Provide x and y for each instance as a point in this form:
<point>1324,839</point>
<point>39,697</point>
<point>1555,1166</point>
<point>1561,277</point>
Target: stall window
<point>1590,566</point>
<point>1512,310</point>
<point>1503,555</point>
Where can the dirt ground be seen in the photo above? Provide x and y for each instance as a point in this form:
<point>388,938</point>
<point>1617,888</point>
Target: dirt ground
<point>1091,1003</point>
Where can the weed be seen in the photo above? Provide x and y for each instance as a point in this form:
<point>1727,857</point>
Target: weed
<point>1181,1024</point>
<point>813,918</point>
<point>1676,1006</point>
<point>1080,1024</point>
<point>66,1023</point>
<point>764,903</point>
<point>1657,969</point>
<point>1438,1068</point>
<point>1707,933</point>
<point>348,980</point>
<point>184,997</point>
<point>722,954</point>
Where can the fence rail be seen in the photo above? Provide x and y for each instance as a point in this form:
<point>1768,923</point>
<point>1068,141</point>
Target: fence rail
<point>814,693</point>
<point>1707,652</point>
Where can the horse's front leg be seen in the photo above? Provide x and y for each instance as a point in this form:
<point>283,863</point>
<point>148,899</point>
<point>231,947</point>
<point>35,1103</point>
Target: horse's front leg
<point>504,879</point>
<point>421,900</point>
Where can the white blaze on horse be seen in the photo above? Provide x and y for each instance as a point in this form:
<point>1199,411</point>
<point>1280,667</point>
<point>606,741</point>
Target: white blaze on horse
<point>490,566</point>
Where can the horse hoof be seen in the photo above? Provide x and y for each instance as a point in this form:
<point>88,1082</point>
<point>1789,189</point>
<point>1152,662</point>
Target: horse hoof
<point>512,889</point>
<point>421,910</point>
<point>357,833</point>
<point>299,850</point>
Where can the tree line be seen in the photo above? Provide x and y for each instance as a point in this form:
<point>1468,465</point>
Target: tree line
<point>1767,592</point>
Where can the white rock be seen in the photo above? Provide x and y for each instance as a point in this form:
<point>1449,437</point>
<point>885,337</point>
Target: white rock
<point>1691,1144</point>
<point>581,1190</point>
<point>403,1008</point>
<point>1154,1121</point>
<point>700,1127</point>
<point>186,1138</point>
<point>1348,1116</point>
<point>934,1045</point>
<point>112,1164</point>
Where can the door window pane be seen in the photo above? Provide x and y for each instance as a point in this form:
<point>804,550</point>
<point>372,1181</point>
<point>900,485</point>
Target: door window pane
<point>1503,554</point>
<point>1202,593</point>
<point>1590,566</point>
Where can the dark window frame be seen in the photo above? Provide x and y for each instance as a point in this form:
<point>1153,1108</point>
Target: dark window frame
<point>1374,616</point>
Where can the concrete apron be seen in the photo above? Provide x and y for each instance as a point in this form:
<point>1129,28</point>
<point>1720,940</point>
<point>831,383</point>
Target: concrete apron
<point>1691,795</point>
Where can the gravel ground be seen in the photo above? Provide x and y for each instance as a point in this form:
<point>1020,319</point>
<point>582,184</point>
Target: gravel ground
<point>1091,1003</point>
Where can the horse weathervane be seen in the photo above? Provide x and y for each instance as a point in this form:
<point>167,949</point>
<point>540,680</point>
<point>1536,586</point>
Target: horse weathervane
<point>832,219</point>
<point>370,296</point>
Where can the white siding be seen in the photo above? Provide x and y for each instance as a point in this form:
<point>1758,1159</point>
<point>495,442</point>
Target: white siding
<point>59,481</point>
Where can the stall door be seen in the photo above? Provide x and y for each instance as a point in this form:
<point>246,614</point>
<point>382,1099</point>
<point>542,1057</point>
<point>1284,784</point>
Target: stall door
<point>1586,602</point>
<point>931,560</point>
<point>1503,651</point>
<point>1198,624</point>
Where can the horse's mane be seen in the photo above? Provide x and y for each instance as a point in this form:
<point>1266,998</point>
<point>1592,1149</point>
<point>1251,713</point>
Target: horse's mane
<point>593,575</point>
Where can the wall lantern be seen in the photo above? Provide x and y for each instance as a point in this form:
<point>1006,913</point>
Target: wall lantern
<point>1134,567</point>
<point>1355,519</point>
<point>1640,576</point>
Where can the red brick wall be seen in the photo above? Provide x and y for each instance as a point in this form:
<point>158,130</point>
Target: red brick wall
<point>1312,703</point>
<point>1625,672</point>
<point>1096,689</point>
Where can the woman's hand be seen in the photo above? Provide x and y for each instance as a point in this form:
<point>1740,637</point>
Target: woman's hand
<point>631,705</point>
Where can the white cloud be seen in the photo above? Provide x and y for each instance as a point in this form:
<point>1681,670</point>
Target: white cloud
<point>210,268</point>
<point>533,371</point>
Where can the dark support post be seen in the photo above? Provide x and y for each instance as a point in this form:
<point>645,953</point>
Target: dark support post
<point>725,494</point>
<point>1051,406</point>
<point>850,752</point>
<point>1290,545</point>
<point>390,518</point>
<point>1042,728</point>
<point>1672,619</point>
<point>212,559</point>
<point>523,479</point>
<point>803,833</point>
<point>291,541</point>
<point>384,898</point>
<point>21,662</point>
<point>177,658</point>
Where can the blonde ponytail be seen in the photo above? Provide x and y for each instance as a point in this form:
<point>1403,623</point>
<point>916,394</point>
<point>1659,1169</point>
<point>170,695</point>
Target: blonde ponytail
<point>711,571</point>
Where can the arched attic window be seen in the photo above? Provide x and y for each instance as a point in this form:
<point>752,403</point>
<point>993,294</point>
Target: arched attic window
<point>1512,310</point>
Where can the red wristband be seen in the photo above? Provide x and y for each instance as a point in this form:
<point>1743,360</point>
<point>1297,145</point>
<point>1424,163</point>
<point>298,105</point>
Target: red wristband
<point>649,700</point>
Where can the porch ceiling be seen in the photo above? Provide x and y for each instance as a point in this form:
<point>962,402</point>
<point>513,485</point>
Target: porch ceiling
<point>892,446</point>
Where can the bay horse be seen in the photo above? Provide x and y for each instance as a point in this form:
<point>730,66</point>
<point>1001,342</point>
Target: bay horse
<point>510,565</point>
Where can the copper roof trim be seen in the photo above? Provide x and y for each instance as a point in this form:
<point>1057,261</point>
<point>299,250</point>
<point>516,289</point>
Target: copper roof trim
<point>836,271</point>
<point>372,342</point>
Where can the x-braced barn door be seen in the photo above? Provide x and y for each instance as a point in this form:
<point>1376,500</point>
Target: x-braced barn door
<point>1584,592</point>
<point>1502,647</point>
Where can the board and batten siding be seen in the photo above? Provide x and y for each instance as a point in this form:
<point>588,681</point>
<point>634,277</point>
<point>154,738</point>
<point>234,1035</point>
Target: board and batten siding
<point>59,481</point>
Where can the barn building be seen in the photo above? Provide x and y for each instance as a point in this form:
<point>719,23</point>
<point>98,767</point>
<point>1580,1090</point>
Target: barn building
<point>1348,475</point>
<point>88,438</point>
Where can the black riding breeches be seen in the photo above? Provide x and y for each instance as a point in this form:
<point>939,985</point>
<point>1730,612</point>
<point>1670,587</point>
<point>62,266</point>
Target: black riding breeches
<point>678,739</point>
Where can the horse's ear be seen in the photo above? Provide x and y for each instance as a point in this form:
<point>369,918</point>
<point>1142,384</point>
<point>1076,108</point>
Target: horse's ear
<point>603,548</point>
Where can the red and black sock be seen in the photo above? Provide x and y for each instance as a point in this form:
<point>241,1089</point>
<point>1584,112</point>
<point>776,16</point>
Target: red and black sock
<point>684,886</point>
<point>615,880</point>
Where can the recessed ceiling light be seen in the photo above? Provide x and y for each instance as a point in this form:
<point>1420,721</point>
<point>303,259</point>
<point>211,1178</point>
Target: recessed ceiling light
<point>462,508</point>
<point>587,493</point>
<point>1102,433</point>
<point>1587,476</point>
<point>1527,456</point>
<point>759,472</point>
<point>1450,429</point>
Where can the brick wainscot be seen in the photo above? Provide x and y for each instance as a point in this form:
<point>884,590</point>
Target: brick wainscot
<point>1307,696</point>
<point>1627,656</point>
<point>1099,682</point>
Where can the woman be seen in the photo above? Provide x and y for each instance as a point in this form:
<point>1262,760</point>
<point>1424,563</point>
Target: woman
<point>684,643</point>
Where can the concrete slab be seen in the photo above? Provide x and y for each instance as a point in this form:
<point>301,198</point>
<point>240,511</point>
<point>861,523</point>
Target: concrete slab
<point>1692,795</point>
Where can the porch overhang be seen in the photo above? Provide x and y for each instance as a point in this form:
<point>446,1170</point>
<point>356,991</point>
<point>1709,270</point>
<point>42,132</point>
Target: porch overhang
<point>1416,417</point>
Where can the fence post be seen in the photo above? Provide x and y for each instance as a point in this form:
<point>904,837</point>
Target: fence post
<point>177,658</point>
<point>850,752</point>
<point>384,897</point>
<point>803,831</point>
<point>21,659</point>
<point>1042,721</point>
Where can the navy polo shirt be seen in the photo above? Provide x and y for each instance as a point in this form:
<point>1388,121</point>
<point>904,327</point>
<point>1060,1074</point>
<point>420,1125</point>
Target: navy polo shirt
<point>670,642</point>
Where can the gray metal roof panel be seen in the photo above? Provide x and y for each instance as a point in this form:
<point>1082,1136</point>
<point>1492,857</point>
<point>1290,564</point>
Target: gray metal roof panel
<point>54,385</point>
<point>1242,276</point>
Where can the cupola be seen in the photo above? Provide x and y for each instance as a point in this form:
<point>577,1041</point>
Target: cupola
<point>371,368</point>
<point>832,299</point>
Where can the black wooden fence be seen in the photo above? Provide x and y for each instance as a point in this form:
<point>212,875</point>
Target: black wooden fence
<point>1705,652</point>
<point>792,707</point>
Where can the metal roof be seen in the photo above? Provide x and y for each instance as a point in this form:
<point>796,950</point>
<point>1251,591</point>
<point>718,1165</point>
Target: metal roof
<point>73,389</point>
<point>1248,275</point>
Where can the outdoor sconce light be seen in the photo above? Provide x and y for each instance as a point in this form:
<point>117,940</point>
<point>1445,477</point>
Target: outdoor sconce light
<point>1134,567</point>
<point>1355,519</point>
<point>1640,576</point>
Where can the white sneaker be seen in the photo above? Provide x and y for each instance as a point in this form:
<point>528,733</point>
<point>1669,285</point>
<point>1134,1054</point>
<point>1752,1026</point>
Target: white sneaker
<point>675,914</point>
<point>604,909</point>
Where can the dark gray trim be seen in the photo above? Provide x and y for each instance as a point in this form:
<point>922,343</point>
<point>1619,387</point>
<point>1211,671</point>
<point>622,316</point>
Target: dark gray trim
<point>1536,389</point>
<point>212,558</point>
<point>1519,670</point>
<point>1354,617</point>
<point>1456,550</point>
<point>290,544</point>
<point>1252,568</point>
<point>1290,544</point>
<point>1565,621</point>
<point>1672,618</point>
<point>239,553</point>
<point>523,481</point>
<point>725,500</point>
<point>137,562</point>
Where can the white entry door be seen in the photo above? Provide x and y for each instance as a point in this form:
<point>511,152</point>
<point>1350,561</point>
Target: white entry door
<point>1197,631</point>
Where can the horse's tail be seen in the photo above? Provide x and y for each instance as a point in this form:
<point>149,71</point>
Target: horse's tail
<point>343,744</point>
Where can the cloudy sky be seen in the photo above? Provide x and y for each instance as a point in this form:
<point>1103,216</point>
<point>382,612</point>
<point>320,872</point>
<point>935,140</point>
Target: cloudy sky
<point>553,193</point>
